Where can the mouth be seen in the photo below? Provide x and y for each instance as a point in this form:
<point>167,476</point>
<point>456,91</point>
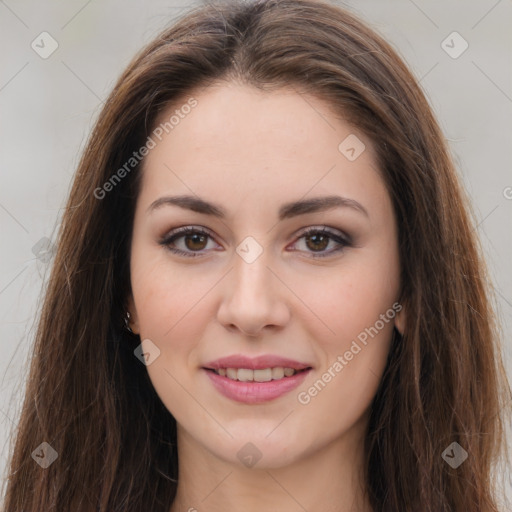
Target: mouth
<point>256,386</point>
<point>254,380</point>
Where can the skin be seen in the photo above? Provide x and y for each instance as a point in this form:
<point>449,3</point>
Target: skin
<point>249,152</point>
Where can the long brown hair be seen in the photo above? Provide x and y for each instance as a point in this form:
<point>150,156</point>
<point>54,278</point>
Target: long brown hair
<point>90,398</point>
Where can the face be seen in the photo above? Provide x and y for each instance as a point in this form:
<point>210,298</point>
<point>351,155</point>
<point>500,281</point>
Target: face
<point>256,266</point>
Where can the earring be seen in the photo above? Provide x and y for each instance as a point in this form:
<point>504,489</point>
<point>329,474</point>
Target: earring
<point>127,322</point>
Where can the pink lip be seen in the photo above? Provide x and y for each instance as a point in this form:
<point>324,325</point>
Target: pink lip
<point>255,363</point>
<point>255,392</point>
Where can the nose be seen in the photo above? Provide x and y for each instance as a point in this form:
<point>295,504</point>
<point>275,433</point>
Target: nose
<point>254,300</point>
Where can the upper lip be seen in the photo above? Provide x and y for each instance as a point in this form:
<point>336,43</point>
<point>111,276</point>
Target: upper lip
<point>255,363</point>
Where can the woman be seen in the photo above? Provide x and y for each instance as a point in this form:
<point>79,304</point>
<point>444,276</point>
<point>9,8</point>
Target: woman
<point>267,292</point>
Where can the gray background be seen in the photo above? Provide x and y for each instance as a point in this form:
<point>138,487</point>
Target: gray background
<point>47,108</point>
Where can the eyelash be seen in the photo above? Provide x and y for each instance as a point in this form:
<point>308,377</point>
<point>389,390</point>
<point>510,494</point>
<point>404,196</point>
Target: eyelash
<point>171,237</point>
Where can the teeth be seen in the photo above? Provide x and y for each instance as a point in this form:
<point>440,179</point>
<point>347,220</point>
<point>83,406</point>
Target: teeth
<point>245,375</point>
<point>277,373</point>
<point>231,373</point>
<point>263,375</point>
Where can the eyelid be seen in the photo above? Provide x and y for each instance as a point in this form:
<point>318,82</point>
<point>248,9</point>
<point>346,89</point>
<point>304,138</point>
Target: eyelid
<point>325,229</point>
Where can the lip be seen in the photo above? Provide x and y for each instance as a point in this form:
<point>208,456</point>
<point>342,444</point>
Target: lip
<point>255,363</point>
<point>255,392</point>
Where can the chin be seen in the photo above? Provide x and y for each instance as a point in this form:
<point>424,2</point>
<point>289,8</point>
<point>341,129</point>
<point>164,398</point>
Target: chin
<point>259,451</point>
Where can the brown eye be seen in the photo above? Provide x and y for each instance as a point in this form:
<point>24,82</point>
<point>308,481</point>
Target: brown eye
<point>195,242</point>
<point>190,242</point>
<point>317,242</point>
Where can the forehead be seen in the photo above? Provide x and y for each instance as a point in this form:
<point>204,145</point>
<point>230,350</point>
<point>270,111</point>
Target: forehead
<point>237,141</point>
<point>282,118</point>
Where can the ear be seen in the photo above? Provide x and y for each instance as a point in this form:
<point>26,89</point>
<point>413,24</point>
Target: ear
<point>134,319</point>
<point>400,318</point>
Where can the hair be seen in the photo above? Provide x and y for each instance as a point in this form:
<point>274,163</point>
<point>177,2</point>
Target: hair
<point>444,381</point>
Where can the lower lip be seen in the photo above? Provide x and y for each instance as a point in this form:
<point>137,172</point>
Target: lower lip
<point>255,392</point>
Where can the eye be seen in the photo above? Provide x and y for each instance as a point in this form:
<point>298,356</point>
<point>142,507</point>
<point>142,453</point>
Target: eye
<point>195,240</point>
<point>317,240</point>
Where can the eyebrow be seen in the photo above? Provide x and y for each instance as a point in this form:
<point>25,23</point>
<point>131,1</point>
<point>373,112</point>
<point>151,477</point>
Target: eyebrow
<point>287,211</point>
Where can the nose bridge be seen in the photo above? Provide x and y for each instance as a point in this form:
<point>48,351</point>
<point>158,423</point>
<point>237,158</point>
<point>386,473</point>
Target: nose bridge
<point>251,280</point>
<point>251,300</point>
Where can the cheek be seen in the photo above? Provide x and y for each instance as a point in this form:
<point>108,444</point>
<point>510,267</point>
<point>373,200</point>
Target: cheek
<point>172,310</point>
<point>167,298</point>
<point>352,361</point>
<point>348,300</point>
<point>356,303</point>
